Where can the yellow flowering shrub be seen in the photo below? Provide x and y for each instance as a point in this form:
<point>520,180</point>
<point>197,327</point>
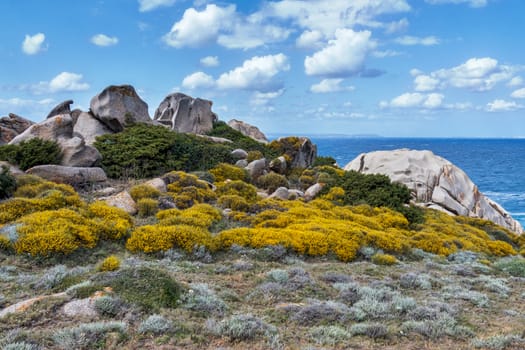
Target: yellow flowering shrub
<point>224,171</point>
<point>335,194</point>
<point>200,215</point>
<point>5,244</point>
<point>233,202</point>
<point>239,188</point>
<point>187,189</point>
<point>147,207</point>
<point>111,263</point>
<point>55,231</point>
<point>180,179</point>
<point>500,248</point>
<point>114,223</point>
<point>139,192</point>
<point>154,238</point>
<point>384,259</point>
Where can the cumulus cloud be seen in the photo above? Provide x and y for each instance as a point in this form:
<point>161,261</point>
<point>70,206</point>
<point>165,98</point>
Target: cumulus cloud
<point>396,26</point>
<point>310,39</point>
<point>255,74</point>
<point>415,100</point>
<point>476,74</point>
<point>330,85</point>
<point>104,40</point>
<point>502,106</point>
<point>210,61</point>
<point>343,56</point>
<point>224,26</point>
<point>263,98</point>
<point>408,40</point>
<point>198,80</point>
<point>149,5</point>
<point>516,81</point>
<point>64,81</point>
<point>33,43</point>
<point>471,3</point>
<point>520,93</point>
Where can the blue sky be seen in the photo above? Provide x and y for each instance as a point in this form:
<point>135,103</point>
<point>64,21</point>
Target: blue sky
<point>436,68</point>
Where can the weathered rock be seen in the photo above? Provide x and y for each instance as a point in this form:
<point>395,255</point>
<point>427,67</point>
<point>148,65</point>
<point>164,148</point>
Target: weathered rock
<point>278,165</point>
<point>13,169</point>
<point>312,191</point>
<point>294,194</point>
<point>158,184</point>
<point>25,305</point>
<point>60,129</point>
<point>90,127</point>
<point>83,307</point>
<point>118,106</point>
<point>184,113</point>
<point>239,154</point>
<point>301,150</point>
<point>123,201</point>
<point>248,130</point>
<point>281,193</point>
<point>436,182</point>
<point>74,176</point>
<point>256,168</point>
<point>12,126</point>
<point>61,108</point>
<point>241,163</point>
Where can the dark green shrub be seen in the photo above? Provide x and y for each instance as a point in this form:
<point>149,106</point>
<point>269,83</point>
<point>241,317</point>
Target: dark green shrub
<point>7,183</point>
<point>272,181</point>
<point>30,153</point>
<point>143,150</point>
<point>321,160</point>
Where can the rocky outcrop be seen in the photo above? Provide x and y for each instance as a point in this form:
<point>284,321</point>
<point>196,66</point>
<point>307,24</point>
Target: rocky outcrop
<point>75,176</point>
<point>12,126</point>
<point>183,113</point>
<point>90,127</point>
<point>60,129</point>
<point>300,151</point>
<point>118,106</point>
<point>61,108</point>
<point>248,130</point>
<point>312,191</point>
<point>434,182</point>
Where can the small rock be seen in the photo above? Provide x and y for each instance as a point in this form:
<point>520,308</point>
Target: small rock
<point>158,184</point>
<point>74,176</point>
<point>241,163</point>
<point>256,168</point>
<point>123,201</point>
<point>278,165</point>
<point>239,154</point>
<point>26,304</point>
<point>313,191</point>
<point>280,193</point>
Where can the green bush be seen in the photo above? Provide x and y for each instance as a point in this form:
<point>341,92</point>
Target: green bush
<point>272,181</point>
<point>30,153</point>
<point>7,183</point>
<point>143,150</point>
<point>321,160</point>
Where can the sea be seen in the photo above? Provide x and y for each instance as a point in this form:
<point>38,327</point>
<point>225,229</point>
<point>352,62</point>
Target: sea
<point>496,166</point>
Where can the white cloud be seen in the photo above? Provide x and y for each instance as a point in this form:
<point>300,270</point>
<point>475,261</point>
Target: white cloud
<point>476,74</point>
<point>33,43</point>
<point>248,35</point>
<point>330,85</point>
<point>104,40</point>
<point>197,28</point>
<point>28,108</point>
<point>20,102</point>
<point>516,81</point>
<point>148,5</point>
<point>395,27</point>
<point>198,80</point>
<point>386,53</point>
<point>64,81</point>
<point>408,40</point>
<point>472,3</point>
<point>502,106</point>
<point>310,39</point>
<point>520,93</point>
<point>263,98</point>
<point>255,73</point>
<point>210,61</point>
<point>343,56</point>
<point>415,100</point>
<point>425,83</point>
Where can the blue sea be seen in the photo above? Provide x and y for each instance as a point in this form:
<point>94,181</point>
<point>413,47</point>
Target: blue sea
<point>497,166</point>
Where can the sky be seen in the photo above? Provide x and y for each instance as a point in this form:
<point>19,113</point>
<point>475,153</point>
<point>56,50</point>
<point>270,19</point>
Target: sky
<point>394,68</point>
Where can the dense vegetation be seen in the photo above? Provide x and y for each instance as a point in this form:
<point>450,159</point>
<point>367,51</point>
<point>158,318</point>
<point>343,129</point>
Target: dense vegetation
<point>30,153</point>
<point>7,183</point>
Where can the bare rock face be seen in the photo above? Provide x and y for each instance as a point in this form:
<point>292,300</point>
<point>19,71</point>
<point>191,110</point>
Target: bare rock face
<point>183,113</point>
<point>436,182</point>
<point>301,151</point>
<point>74,176</point>
<point>90,127</point>
<point>118,106</point>
<point>60,129</point>
<point>61,108</point>
<point>248,130</point>
<point>12,126</point>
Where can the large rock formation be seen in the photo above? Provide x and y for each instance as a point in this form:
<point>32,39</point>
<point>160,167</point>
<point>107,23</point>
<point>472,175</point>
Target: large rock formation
<point>300,151</point>
<point>118,106</point>
<point>436,182</point>
<point>61,108</point>
<point>248,130</point>
<point>184,113</point>
<point>75,176</point>
<point>60,129</point>
<point>12,126</point>
<point>89,127</point>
